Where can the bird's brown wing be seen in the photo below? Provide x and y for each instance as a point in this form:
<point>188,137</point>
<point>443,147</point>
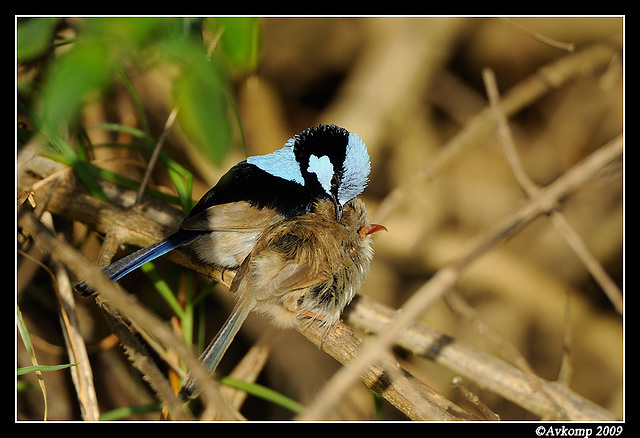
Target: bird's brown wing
<point>235,216</point>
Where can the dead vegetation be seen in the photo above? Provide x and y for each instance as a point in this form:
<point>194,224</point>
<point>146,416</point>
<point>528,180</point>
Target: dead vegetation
<point>496,150</point>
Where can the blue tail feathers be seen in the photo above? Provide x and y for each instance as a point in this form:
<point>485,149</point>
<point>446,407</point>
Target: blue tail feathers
<point>118,269</point>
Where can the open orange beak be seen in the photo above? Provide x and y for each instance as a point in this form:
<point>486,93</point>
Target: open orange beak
<point>370,229</point>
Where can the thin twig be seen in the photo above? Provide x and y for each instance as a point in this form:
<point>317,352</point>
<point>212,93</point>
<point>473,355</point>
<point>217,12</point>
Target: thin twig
<point>520,96</point>
<point>561,45</point>
<point>473,398</point>
<point>507,143</point>
<point>156,153</point>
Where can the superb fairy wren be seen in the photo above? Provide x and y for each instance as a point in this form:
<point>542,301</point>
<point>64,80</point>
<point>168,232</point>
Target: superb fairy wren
<point>324,162</point>
<point>290,223</point>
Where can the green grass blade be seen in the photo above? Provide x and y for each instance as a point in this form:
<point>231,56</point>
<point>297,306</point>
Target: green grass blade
<point>127,411</point>
<point>32,369</point>
<point>163,288</point>
<point>264,393</point>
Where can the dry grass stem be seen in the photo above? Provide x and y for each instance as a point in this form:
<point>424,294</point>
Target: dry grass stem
<point>156,152</point>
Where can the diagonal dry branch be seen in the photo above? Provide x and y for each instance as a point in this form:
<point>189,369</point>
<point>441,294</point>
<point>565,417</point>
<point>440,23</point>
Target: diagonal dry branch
<point>70,200</point>
<point>545,201</point>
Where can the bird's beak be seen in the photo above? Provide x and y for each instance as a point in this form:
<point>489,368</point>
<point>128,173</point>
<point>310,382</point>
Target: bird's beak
<point>370,229</point>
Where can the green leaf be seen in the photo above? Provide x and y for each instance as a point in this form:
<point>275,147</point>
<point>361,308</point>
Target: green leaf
<point>83,70</point>
<point>32,369</point>
<point>240,41</point>
<point>127,34</point>
<point>24,333</point>
<point>34,37</point>
<point>201,96</point>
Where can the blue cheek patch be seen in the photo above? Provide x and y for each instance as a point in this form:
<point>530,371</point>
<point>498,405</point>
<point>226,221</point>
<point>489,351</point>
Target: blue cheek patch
<point>281,163</point>
<point>323,169</point>
<point>357,166</point>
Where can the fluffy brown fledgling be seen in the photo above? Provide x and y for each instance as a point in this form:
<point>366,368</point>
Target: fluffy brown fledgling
<point>310,266</point>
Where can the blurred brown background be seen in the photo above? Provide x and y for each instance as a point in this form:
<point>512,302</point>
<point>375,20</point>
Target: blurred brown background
<point>408,86</point>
